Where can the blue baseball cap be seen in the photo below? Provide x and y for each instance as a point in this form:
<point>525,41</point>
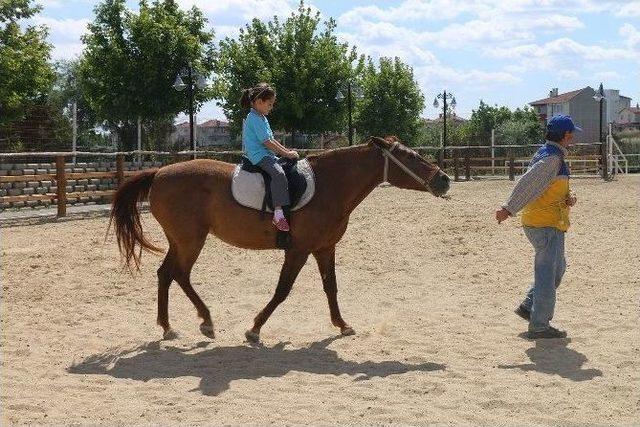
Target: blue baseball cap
<point>561,124</point>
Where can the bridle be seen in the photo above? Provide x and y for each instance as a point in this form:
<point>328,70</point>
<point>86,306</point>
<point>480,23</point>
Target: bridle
<point>387,154</point>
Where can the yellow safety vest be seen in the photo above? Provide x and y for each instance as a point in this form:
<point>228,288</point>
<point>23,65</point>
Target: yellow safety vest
<point>550,209</point>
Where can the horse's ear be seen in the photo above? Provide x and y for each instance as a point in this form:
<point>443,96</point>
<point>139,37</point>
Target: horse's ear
<point>379,142</point>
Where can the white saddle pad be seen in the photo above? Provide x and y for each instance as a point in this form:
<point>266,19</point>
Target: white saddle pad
<point>248,188</point>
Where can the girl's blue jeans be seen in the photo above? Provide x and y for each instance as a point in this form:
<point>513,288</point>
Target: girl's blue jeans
<point>549,267</point>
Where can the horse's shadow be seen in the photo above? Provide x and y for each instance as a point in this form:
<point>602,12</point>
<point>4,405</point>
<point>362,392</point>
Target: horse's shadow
<point>218,367</point>
<point>554,357</point>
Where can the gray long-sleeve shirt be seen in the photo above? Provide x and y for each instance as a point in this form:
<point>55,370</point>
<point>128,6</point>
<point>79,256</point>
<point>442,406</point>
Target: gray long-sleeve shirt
<point>534,182</point>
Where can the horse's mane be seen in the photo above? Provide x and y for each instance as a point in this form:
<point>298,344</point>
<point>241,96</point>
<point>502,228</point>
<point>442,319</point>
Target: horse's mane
<point>336,151</point>
<point>339,151</point>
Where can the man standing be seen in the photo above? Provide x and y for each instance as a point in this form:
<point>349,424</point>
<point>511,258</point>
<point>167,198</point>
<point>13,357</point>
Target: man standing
<point>543,195</point>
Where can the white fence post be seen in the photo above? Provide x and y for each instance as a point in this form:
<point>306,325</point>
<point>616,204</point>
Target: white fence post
<point>615,159</point>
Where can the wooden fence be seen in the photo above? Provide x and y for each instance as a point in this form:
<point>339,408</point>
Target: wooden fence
<point>61,196</point>
<point>456,160</point>
<point>469,161</point>
<point>61,177</point>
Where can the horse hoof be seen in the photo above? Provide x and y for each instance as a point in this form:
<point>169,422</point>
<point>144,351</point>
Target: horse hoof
<point>169,334</point>
<point>207,331</point>
<point>348,330</point>
<point>252,336</point>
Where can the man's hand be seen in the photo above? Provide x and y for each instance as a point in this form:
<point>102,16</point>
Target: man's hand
<point>292,154</point>
<point>571,199</point>
<point>502,214</point>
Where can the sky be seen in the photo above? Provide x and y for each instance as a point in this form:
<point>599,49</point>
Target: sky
<point>505,52</point>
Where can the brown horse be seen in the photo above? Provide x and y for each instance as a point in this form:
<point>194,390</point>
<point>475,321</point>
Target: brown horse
<point>193,198</point>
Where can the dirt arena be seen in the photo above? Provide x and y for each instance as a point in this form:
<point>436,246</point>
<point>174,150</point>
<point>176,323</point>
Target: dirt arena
<point>428,284</point>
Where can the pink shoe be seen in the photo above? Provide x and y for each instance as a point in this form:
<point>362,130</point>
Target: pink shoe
<point>281,225</point>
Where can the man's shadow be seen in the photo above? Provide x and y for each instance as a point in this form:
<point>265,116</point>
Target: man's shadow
<point>218,367</point>
<point>552,356</point>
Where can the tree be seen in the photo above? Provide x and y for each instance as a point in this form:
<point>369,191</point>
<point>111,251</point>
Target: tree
<point>429,134</point>
<point>392,101</point>
<point>131,60</point>
<point>65,93</point>
<point>486,118</point>
<point>25,73</point>
<point>305,64</point>
<point>522,128</point>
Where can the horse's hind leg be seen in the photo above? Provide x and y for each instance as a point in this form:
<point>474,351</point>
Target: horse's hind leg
<point>165,277</point>
<point>293,263</point>
<point>326,259</point>
<point>187,254</point>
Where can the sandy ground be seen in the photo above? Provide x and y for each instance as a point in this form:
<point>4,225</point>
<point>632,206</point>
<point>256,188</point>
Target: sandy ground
<point>428,284</point>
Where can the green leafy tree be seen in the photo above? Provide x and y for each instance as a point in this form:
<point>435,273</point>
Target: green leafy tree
<point>392,101</point>
<point>486,118</point>
<point>522,128</point>
<point>464,133</point>
<point>131,60</point>
<point>305,64</point>
<point>429,134</point>
<point>25,73</point>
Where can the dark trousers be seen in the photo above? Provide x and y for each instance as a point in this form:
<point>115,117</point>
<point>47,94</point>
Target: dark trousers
<point>279,183</point>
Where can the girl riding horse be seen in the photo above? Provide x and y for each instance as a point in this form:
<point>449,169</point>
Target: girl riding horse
<point>193,199</point>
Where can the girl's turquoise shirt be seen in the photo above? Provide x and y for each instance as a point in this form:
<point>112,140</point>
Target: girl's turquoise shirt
<point>255,131</point>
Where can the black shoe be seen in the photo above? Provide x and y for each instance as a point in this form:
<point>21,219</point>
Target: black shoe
<point>523,312</point>
<point>550,332</point>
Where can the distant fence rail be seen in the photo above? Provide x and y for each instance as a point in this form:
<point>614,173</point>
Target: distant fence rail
<point>501,160</point>
<point>512,160</point>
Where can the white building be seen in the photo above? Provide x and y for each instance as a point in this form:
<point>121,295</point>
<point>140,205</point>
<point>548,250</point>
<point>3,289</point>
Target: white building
<point>614,103</point>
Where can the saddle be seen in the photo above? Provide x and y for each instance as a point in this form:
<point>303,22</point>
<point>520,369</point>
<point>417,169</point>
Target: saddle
<point>251,188</point>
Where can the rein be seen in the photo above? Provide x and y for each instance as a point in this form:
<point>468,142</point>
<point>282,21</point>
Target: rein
<point>554,205</point>
<point>389,156</point>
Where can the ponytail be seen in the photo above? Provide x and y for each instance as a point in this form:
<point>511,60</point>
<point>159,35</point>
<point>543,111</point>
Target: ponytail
<point>245,100</point>
<point>261,91</point>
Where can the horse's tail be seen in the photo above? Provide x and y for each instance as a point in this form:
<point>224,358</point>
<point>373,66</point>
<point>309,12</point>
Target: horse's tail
<point>125,214</point>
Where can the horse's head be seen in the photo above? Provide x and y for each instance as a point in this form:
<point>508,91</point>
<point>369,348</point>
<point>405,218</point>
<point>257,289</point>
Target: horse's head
<point>405,168</point>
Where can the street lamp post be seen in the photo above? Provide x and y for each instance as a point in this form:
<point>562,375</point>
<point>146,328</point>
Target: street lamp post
<point>189,73</point>
<point>599,96</point>
<point>444,96</point>
<point>340,97</point>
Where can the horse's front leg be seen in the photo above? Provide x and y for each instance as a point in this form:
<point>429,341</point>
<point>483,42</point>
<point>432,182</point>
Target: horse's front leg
<point>293,263</point>
<point>326,259</point>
